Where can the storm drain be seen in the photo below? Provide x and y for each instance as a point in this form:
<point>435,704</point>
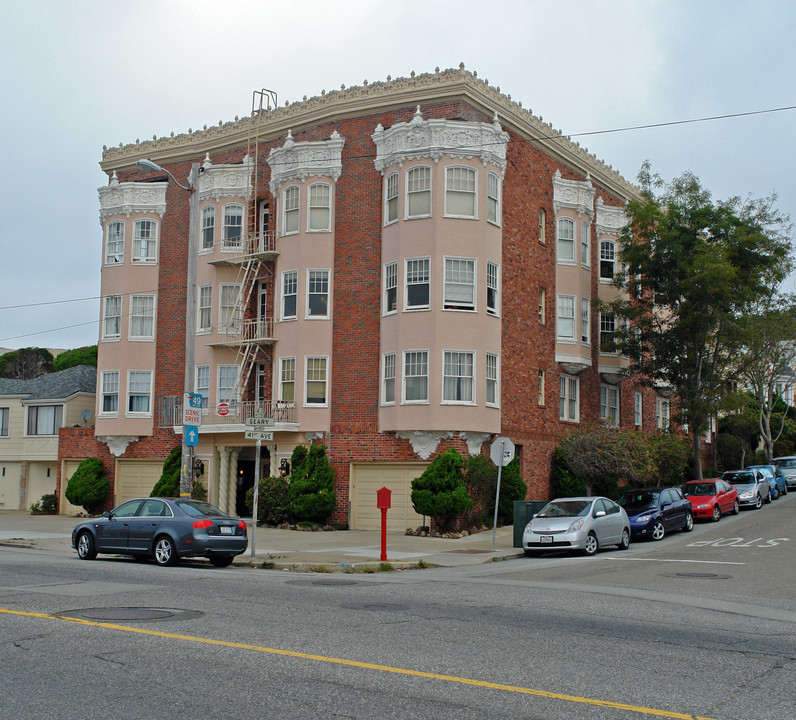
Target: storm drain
<point>697,575</point>
<point>130,614</point>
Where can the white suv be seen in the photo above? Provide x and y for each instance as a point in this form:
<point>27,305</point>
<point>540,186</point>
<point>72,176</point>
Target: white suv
<point>788,466</point>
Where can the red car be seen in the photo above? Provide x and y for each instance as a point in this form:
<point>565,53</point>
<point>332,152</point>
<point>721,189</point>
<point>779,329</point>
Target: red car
<point>712,498</point>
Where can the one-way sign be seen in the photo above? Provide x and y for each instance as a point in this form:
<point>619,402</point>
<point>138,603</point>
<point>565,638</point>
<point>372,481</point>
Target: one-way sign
<point>191,435</point>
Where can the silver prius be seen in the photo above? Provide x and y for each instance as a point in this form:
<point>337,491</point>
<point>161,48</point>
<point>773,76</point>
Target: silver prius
<point>579,523</point>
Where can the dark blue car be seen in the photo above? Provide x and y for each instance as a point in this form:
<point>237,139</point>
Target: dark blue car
<point>653,512</point>
<point>777,482</point>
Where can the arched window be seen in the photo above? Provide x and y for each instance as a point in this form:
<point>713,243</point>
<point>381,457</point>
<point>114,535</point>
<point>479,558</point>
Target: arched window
<point>320,207</point>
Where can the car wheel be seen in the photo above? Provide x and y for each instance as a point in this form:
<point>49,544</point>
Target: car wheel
<point>165,552</point>
<point>775,496</point>
<point>689,523</point>
<point>624,543</point>
<point>592,546</point>
<point>758,502</point>
<point>86,550</point>
<point>717,512</point>
<point>736,508</point>
<point>658,530</point>
<point>221,560</point>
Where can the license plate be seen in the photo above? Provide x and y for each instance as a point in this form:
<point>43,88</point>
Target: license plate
<point>227,530</point>
<point>546,539</point>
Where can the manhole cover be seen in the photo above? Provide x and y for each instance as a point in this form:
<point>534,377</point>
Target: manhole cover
<point>697,576</point>
<point>130,614</point>
<point>334,583</point>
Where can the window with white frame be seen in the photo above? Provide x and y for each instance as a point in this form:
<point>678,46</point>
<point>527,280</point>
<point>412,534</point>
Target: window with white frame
<point>662,413</point>
<point>290,210</point>
<point>114,243</point>
<point>585,325</point>
<point>139,392</point>
<point>203,384</point>
<point>492,379</point>
<point>287,379</point>
<point>142,317</point>
<point>542,226</point>
<point>227,379</point>
<point>145,241</point>
<point>416,376</point>
<point>388,395</point>
<point>607,328</point>
<point>493,198</point>
<point>542,305</point>
<point>637,409</point>
<point>204,308</point>
<point>109,392</point>
<point>315,381</point>
<point>459,292</point>
<point>609,404</point>
<point>4,411</point>
<point>391,198</point>
<point>566,317</point>
<point>320,208</point>
<point>112,317</point>
<point>540,387</point>
<point>460,196</point>
<point>318,293</point>
<point>417,284</point>
<point>418,192</point>
<point>569,401</point>
<point>229,308</point>
<point>391,287</point>
<point>566,240</point>
<point>208,227</point>
<point>492,288</point>
<point>457,376</point>
<point>44,419</point>
<point>585,255</point>
<point>233,226</point>
<point>607,260</point>
<point>289,292</point>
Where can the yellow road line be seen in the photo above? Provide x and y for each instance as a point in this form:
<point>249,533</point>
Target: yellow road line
<point>371,666</point>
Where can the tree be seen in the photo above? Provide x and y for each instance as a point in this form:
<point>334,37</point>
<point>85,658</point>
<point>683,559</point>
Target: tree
<point>694,268</point>
<point>169,483</point>
<point>79,356</point>
<point>310,494</point>
<point>440,491</point>
<point>480,479</point>
<point>26,363</point>
<point>88,485</point>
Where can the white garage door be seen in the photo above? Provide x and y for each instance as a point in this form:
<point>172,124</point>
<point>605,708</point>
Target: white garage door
<point>68,468</point>
<point>136,478</point>
<point>367,479</point>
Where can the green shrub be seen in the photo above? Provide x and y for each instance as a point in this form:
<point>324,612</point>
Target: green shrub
<point>565,482</point>
<point>311,490</point>
<point>169,483</point>
<point>88,486</point>
<point>440,491</point>
<point>271,502</point>
<point>480,479</point>
<point>49,503</point>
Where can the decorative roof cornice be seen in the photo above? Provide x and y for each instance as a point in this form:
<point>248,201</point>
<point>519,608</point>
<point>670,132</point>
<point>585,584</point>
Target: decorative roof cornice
<point>300,160</point>
<point>610,219</point>
<point>434,138</point>
<point>220,181</point>
<point>126,198</point>
<point>372,97</point>
<point>573,194</point>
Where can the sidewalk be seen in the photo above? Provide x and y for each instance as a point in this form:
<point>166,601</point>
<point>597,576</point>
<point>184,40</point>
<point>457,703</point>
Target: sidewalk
<point>334,551</point>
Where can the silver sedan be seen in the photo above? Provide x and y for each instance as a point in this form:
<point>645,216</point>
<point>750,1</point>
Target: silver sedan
<point>579,523</point>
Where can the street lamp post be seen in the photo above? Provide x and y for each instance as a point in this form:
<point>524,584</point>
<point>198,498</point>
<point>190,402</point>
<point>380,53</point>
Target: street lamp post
<point>186,467</point>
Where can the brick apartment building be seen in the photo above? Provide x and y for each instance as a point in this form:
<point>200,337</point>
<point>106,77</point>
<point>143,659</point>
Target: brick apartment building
<point>390,269</point>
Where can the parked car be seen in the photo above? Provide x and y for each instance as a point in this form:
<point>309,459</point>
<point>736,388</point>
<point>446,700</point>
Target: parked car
<point>655,511</point>
<point>777,485</point>
<point>577,523</point>
<point>788,466</point>
<point>712,498</point>
<point>165,529</point>
<point>752,487</point>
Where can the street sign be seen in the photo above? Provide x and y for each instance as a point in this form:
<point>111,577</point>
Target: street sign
<point>191,433</point>
<point>261,422</point>
<point>267,435</point>
<point>502,451</point>
<point>192,409</point>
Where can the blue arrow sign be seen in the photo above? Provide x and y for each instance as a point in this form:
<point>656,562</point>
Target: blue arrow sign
<point>191,435</point>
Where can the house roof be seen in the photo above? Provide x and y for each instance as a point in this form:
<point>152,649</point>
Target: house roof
<point>54,386</point>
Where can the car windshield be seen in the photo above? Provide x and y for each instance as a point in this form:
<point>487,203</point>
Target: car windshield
<point>765,470</point>
<point>565,508</point>
<point>639,500</point>
<point>197,508</point>
<point>739,478</point>
<point>789,463</point>
<point>703,488</point>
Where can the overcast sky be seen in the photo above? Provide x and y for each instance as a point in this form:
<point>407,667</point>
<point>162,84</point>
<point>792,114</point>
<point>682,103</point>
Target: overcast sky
<point>80,75</point>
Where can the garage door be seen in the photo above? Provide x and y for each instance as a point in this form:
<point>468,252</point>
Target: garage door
<point>68,468</point>
<point>367,479</point>
<point>136,478</point>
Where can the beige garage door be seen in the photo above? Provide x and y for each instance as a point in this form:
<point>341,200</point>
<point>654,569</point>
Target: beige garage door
<point>136,478</point>
<point>68,468</point>
<point>367,479</point>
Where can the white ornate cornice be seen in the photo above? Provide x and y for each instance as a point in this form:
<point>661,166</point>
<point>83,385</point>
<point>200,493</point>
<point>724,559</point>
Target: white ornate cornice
<point>300,160</point>
<point>424,442</point>
<point>431,139</point>
<point>222,181</point>
<point>118,444</point>
<point>475,441</point>
<point>126,198</point>
<point>610,219</point>
<point>573,364</point>
<point>575,195</point>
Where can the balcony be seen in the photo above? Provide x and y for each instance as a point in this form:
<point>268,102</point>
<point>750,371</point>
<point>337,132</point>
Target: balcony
<point>237,250</point>
<point>283,413</point>
<point>246,332</point>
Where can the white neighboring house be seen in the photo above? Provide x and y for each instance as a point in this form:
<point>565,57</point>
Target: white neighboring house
<point>31,414</point>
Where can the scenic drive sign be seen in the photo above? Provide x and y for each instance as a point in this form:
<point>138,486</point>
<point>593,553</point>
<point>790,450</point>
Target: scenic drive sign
<point>192,409</point>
